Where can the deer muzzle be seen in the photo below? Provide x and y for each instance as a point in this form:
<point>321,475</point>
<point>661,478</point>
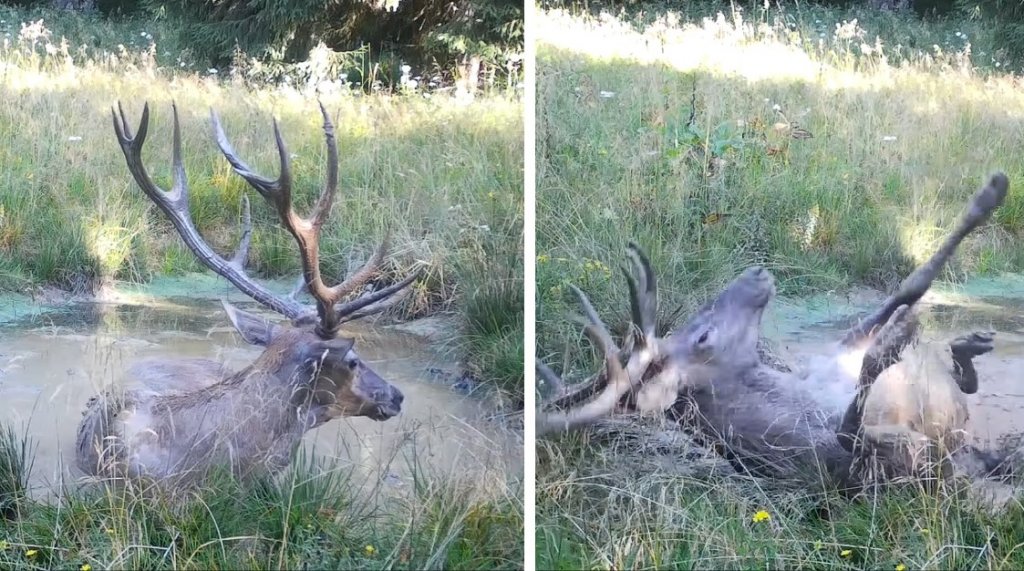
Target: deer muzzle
<point>385,400</point>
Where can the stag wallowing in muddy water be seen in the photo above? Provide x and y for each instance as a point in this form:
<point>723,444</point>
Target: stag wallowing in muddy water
<point>178,418</point>
<point>880,398</point>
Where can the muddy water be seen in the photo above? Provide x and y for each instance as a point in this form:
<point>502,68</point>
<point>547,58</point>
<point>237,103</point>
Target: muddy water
<point>51,364</point>
<point>998,407</point>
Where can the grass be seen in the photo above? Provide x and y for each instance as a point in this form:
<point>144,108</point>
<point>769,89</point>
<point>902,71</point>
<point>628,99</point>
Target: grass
<point>675,131</point>
<point>312,517</point>
<point>443,176</point>
<point>614,510</point>
<point>664,131</point>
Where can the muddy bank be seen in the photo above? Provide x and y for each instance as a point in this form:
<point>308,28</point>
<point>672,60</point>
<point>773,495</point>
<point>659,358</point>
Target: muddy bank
<point>53,359</point>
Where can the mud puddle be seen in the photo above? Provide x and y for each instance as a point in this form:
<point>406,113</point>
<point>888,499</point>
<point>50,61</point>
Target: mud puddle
<point>51,363</point>
<point>802,330</point>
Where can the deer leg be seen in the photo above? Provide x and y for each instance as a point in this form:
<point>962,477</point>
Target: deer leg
<point>965,349</point>
<point>898,332</point>
<point>917,283</point>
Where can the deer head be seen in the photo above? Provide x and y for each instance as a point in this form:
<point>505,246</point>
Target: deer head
<point>726,330</point>
<point>322,371</point>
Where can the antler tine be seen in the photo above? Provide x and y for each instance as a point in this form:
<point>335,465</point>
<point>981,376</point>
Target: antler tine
<point>618,381</point>
<point>552,379</point>
<point>306,231</point>
<point>276,191</point>
<point>326,200</point>
<point>644,295</point>
<point>374,302</point>
<point>602,337</point>
<point>174,204</point>
<point>242,253</point>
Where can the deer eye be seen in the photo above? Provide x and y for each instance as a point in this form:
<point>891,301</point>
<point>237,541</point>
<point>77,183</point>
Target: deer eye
<point>352,363</point>
<point>703,338</point>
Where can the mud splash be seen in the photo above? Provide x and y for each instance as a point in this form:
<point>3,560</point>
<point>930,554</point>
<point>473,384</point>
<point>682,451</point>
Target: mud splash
<point>52,362</point>
<point>804,328</point>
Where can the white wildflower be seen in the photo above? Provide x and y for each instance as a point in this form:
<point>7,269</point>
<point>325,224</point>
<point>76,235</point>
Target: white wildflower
<point>889,138</point>
<point>607,94</point>
<point>74,138</point>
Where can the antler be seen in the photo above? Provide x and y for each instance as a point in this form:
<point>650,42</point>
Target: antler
<point>306,231</point>
<point>617,379</point>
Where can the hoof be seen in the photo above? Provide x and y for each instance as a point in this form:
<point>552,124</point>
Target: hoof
<point>990,197</point>
<point>972,345</point>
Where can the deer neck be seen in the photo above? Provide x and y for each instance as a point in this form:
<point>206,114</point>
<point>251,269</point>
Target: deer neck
<point>272,392</point>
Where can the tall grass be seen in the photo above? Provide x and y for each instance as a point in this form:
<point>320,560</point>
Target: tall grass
<point>15,467</point>
<point>442,175</point>
<point>678,131</point>
<point>678,134</point>
<point>314,516</point>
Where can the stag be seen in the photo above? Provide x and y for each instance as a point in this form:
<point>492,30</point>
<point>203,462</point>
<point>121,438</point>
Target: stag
<point>177,419</point>
<point>713,373</point>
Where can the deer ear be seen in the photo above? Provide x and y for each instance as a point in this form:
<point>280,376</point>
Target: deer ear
<point>254,329</point>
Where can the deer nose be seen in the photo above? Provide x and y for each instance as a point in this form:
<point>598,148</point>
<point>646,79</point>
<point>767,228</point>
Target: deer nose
<point>397,397</point>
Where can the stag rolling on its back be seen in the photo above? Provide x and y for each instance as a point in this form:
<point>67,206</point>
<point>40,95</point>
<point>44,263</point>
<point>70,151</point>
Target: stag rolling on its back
<point>774,422</point>
<point>178,419</point>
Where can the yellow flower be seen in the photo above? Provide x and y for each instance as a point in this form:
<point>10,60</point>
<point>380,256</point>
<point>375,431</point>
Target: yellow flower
<point>818,545</point>
<point>760,516</point>
<point>370,550</point>
<point>85,567</point>
<point>543,259</point>
<point>109,530</point>
<point>491,195</point>
<point>31,553</point>
<point>846,553</point>
<point>901,567</point>
<point>4,546</point>
<point>925,530</point>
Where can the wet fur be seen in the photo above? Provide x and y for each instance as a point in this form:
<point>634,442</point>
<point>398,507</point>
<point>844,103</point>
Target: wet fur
<point>178,419</point>
<point>795,425</point>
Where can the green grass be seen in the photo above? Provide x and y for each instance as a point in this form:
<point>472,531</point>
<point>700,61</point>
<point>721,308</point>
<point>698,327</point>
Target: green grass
<point>900,141</point>
<point>444,177</point>
<point>659,127</point>
<point>314,516</point>
<point>613,510</point>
